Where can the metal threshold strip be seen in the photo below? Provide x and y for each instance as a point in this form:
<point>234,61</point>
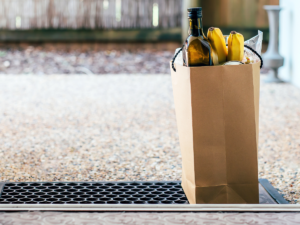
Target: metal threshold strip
<point>154,208</point>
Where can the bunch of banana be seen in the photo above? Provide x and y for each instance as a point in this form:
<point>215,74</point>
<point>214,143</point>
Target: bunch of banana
<point>235,46</point>
<point>217,41</point>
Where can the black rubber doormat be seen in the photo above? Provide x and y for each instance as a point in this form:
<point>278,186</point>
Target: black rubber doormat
<point>164,192</point>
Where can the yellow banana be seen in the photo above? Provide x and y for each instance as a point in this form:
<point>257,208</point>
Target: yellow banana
<point>217,42</point>
<point>214,56</point>
<point>235,46</point>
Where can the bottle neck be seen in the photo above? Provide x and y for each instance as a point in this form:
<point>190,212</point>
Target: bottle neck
<point>196,28</point>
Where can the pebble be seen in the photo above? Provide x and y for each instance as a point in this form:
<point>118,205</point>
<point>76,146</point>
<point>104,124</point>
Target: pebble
<point>38,60</point>
<point>6,63</point>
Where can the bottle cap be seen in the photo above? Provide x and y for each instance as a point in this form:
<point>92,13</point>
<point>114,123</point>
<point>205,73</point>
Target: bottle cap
<point>195,12</point>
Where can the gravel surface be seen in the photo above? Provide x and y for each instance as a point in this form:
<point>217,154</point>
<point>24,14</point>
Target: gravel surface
<point>85,128</point>
<point>42,60</point>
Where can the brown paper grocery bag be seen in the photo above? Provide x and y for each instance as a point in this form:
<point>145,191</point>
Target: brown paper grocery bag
<point>217,118</point>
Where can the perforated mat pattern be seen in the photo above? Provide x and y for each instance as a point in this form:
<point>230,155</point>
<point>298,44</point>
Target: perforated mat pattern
<point>93,193</point>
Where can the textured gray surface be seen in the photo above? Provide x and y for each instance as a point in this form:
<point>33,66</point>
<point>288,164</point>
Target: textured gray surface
<point>85,128</point>
<point>47,218</point>
<point>264,196</point>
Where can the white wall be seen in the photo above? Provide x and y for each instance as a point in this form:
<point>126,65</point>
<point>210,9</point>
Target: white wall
<point>289,41</point>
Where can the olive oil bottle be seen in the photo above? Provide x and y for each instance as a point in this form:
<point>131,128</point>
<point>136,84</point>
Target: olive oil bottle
<point>197,50</point>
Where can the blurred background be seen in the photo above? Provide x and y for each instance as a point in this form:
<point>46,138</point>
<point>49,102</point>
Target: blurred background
<point>111,36</point>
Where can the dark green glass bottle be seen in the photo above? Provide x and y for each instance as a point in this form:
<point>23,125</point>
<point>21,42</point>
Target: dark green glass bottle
<point>197,50</point>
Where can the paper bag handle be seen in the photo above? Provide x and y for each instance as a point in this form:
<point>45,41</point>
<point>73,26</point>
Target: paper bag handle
<point>246,46</point>
<point>173,60</point>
